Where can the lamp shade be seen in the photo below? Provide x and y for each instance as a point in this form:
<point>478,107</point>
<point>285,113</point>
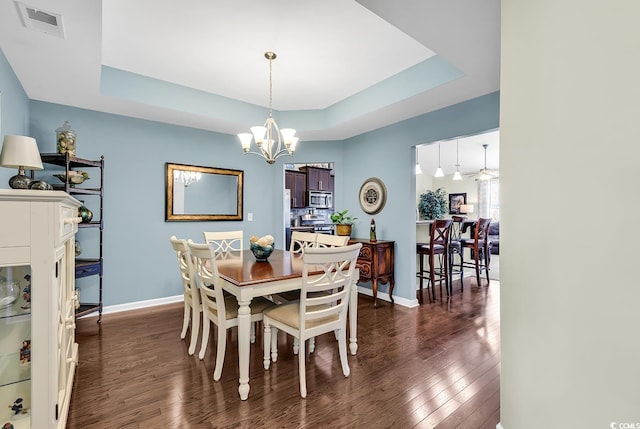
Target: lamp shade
<point>20,152</point>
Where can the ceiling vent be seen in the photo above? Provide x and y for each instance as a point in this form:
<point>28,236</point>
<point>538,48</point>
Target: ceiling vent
<point>40,20</point>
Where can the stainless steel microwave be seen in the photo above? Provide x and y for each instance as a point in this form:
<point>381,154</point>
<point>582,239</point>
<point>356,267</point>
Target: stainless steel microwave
<point>320,200</point>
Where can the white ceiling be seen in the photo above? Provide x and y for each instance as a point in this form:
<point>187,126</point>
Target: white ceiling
<point>470,156</point>
<point>344,67</point>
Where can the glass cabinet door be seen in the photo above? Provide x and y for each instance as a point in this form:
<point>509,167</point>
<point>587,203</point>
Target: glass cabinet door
<point>15,347</point>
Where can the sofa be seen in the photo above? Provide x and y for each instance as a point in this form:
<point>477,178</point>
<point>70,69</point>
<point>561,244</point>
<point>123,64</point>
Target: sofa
<point>494,237</point>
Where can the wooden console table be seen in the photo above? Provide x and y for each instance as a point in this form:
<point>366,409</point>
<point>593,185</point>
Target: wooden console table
<point>375,263</point>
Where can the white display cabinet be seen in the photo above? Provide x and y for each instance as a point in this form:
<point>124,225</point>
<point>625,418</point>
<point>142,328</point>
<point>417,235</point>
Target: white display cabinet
<point>38,352</point>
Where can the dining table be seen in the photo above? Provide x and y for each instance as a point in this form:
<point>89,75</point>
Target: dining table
<point>246,278</point>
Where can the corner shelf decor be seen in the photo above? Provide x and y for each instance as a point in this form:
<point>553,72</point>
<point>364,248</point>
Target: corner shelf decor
<point>85,267</point>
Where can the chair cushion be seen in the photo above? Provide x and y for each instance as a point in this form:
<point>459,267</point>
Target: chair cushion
<point>289,314</point>
<point>426,248</point>
<point>258,305</point>
<point>470,242</point>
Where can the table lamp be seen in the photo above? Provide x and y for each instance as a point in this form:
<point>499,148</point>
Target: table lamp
<point>20,152</point>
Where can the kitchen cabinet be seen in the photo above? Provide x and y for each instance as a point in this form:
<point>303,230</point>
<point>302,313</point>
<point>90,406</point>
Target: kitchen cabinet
<point>318,179</point>
<point>37,244</point>
<point>296,182</point>
<point>376,264</point>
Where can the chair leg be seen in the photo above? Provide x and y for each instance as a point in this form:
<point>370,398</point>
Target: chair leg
<point>312,344</point>
<point>206,323</point>
<point>302,370</point>
<point>487,261</point>
<point>477,261</point>
<point>342,348</point>
<point>222,348</point>
<point>432,275</point>
<point>274,344</point>
<point>252,338</point>
<point>447,278</point>
<point>266,346</point>
<point>421,274</point>
<point>195,330</point>
<point>296,345</point>
<point>185,321</point>
<point>461,269</point>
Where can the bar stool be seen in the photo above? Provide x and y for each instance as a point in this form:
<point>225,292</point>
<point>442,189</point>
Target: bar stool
<point>455,248</point>
<point>479,245</point>
<point>438,246</point>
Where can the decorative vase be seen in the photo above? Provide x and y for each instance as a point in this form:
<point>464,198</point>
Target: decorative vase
<point>261,252</point>
<point>66,138</point>
<point>9,292</point>
<point>85,213</point>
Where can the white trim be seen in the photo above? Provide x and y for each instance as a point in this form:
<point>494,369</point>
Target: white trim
<point>499,426</point>
<point>410,303</point>
<point>139,304</point>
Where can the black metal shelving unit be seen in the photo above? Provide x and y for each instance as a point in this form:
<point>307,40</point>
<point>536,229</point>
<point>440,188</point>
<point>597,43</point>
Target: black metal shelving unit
<point>85,267</point>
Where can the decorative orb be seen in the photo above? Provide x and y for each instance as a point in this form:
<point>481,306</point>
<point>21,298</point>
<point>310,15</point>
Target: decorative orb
<point>261,252</point>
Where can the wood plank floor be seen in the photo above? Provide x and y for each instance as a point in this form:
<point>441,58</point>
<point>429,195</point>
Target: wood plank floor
<point>433,366</point>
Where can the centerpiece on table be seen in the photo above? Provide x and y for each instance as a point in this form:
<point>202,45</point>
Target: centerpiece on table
<point>261,247</point>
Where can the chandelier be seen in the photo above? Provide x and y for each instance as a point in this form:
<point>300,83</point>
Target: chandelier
<point>187,177</point>
<point>272,141</point>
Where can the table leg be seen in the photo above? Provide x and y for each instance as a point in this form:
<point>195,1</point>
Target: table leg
<point>353,318</point>
<point>244,346</point>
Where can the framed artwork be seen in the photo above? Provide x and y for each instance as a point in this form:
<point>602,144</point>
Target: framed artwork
<point>456,201</point>
<point>373,195</point>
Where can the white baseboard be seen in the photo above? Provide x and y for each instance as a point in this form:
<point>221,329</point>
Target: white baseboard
<point>179,298</point>
<point>138,305</point>
<point>385,297</point>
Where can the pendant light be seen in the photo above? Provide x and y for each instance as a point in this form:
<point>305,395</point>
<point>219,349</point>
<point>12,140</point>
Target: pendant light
<point>485,173</point>
<point>457,175</point>
<point>439,172</point>
<point>418,169</point>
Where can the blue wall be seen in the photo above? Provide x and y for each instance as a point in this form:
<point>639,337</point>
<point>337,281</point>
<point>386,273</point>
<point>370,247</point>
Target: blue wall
<point>389,154</point>
<point>139,263</point>
<point>14,110</point>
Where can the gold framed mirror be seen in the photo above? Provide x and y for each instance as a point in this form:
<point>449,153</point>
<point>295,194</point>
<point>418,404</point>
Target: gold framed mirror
<point>196,193</point>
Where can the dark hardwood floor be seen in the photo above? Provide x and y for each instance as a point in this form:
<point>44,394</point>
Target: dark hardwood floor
<point>433,366</point>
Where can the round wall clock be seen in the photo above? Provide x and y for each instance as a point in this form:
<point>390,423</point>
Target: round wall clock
<point>373,195</point>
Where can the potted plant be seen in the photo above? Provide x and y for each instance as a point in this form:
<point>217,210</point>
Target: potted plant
<point>433,204</point>
<point>343,222</point>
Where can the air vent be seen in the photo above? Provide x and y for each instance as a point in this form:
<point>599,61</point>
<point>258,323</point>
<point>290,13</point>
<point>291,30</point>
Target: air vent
<point>40,20</point>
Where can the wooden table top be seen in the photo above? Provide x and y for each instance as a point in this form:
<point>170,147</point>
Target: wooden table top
<point>242,269</point>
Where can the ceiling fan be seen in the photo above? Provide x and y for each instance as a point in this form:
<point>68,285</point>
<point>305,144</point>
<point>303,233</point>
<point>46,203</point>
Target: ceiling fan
<point>485,173</point>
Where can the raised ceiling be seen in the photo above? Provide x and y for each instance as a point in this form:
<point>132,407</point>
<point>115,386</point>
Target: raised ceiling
<point>343,67</point>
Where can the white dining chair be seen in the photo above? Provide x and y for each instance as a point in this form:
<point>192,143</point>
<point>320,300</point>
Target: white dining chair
<point>327,240</point>
<point>192,307</point>
<point>321,240</point>
<point>216,308</point>
<point>300,240</point>
<point>224,241</point>
<point>323,305</point>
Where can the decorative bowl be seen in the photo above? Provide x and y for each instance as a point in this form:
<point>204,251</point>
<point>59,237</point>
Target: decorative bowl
<point>9,292</point>
<point>74,178</point>
<point>261,252</point>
